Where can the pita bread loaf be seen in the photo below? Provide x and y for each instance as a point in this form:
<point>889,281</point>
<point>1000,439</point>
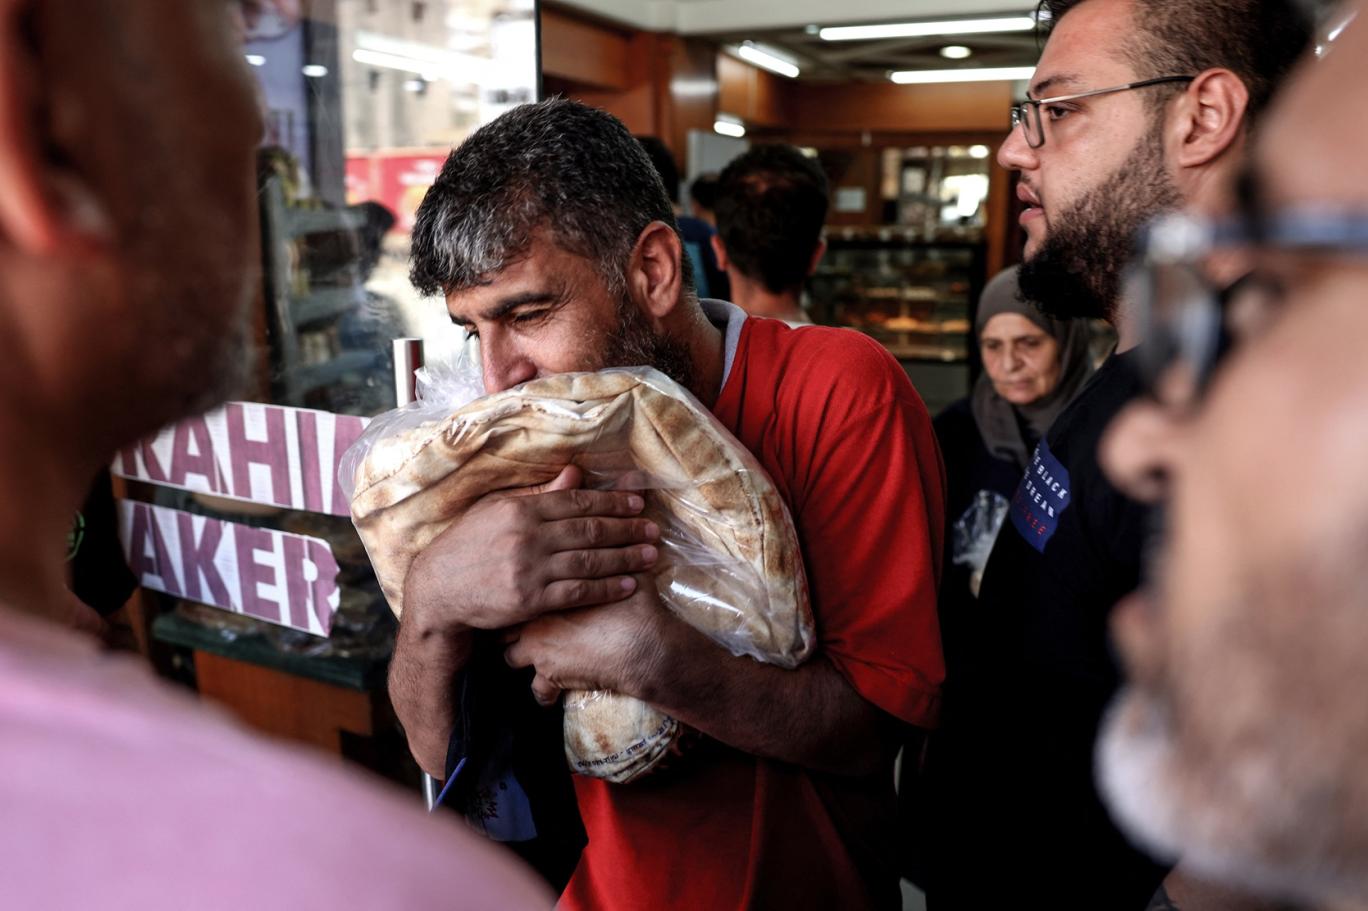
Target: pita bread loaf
<point>729,559</point>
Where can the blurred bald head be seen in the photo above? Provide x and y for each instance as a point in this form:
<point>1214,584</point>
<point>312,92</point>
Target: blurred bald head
<point>127,131</point>
<point>1314,147</point>
<point>1239,741</point>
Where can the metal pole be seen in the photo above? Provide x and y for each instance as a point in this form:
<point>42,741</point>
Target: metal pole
<point>429,791</point>
<point>408,357</point>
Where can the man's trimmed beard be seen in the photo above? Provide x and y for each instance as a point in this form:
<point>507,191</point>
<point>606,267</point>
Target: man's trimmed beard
<point>633,343</point>
<point>1077,270</point>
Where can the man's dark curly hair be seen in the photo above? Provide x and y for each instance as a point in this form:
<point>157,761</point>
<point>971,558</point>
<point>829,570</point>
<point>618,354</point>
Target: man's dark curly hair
<point>558,166</point>
<point>1257,40</point>
<point>771,205</point>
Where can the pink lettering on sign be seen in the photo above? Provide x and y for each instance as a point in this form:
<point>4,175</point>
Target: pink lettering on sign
<point>140,463</point>
<point>266,454</point>
<point>296,585</point>
<point>309,471</point>
<point>197,556</point>
<point>271,452</point>
<point>324,586</point>
<point>253,573</point>
<point>347,429</point>
<point>148,556</point>
<point>188,435</point>
<point>283,578</point>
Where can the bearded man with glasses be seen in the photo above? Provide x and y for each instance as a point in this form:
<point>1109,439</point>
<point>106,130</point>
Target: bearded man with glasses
<point>1137,108</point>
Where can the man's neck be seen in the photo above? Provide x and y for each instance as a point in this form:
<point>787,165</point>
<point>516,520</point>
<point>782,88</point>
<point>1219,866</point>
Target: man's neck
<point>757,300</point>
<point>42,488</point>
<point>708,346</point>
<point>1126,325</point>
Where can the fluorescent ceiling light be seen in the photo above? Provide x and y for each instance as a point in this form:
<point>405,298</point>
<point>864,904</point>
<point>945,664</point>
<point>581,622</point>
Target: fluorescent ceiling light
<point>955,52</point>
<point>729,127</point>
<point>981,74</point>
<point>767,59</point>
<point>256,59</point>
<point>315,70</point>
<point>429,61</point>
<point>927,29</point>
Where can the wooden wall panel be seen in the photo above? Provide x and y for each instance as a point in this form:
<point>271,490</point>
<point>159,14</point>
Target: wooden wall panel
<point>584,52</point>
<point>748,92</point>
<point>885,107</point>
<point>692,94</point>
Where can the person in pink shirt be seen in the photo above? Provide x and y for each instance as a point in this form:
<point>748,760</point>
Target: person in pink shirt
<point>127,255</point>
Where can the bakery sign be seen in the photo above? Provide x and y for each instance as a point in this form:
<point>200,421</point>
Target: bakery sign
<point>266,454</point>
<point>271,575</point>
<point>263,454</point>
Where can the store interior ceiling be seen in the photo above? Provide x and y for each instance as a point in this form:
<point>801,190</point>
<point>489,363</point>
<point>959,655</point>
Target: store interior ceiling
<point>797,31</point>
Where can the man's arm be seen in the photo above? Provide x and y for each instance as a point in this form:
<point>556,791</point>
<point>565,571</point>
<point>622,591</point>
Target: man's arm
<point>810,716</point>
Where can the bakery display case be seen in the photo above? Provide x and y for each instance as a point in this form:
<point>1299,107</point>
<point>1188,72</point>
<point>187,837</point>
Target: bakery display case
<point>911,282</point>
<point>914,296</point>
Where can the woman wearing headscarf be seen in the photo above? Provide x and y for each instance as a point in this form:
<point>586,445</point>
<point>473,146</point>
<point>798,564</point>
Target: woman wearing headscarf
<point>1033,366</point>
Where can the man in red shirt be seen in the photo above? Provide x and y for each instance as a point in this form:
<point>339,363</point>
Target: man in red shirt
<point>553,241</point>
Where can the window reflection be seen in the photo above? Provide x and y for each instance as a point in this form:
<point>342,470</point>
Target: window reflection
<point>362,101</point>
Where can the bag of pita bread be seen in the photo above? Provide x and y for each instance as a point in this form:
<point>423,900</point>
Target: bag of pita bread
<point>729,561</point>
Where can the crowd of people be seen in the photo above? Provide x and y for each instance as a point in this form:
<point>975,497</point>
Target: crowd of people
<point>1109,614</point>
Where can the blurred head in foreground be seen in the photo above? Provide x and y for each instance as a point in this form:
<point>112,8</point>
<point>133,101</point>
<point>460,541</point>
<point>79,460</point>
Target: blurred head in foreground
<point>1239,743</point>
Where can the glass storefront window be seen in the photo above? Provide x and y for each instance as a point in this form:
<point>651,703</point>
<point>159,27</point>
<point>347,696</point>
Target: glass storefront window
<point>362,102</point>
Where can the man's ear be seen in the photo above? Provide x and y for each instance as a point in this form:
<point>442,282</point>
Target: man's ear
<point>719,251</point>
<point>1207,119</point>
<point>655,278</point>
<point>42,209</point>
<point>817,255</point>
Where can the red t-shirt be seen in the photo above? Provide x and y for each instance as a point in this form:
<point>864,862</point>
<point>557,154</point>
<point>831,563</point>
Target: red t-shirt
<point>848,443</point>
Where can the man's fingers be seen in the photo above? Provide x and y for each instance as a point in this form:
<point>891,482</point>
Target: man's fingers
<point>544,691</point>
<point>595,532</point>
<point>570,593</point>
<point>596,564</point>
<point>569,478</point>
<point>561,504</point>
<point>518,654</point>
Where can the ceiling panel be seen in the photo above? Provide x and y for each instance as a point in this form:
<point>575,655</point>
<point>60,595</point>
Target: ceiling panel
<point>701,17</point>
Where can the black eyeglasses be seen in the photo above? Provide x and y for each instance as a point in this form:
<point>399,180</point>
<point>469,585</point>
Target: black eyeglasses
<point>1183,313</point>
<point>1027,114</point>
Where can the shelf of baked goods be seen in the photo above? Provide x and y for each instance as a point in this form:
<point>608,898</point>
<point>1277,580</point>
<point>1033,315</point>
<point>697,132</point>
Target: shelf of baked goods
<point>912,322</point>
<point>908,338</point>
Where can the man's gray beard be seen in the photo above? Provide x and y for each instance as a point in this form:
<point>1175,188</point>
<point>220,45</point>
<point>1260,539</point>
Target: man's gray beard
<point>1077,270</point>
<point>1138,770</point>
<point>1268,796</point>
<point>633,343</point>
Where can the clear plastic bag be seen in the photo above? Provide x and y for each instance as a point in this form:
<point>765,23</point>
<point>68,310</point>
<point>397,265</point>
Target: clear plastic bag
<point>975,532</point>
<point>729,561</point>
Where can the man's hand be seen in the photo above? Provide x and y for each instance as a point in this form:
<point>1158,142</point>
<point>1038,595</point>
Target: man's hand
<point>810,716</point>
<point>515,556</point>
<point>512,557</point>
<point>612,647</point>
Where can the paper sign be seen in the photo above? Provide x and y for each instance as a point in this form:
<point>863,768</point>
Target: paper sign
<point>264,454</point>
<point>282,578</point>
<point>850,199</point>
